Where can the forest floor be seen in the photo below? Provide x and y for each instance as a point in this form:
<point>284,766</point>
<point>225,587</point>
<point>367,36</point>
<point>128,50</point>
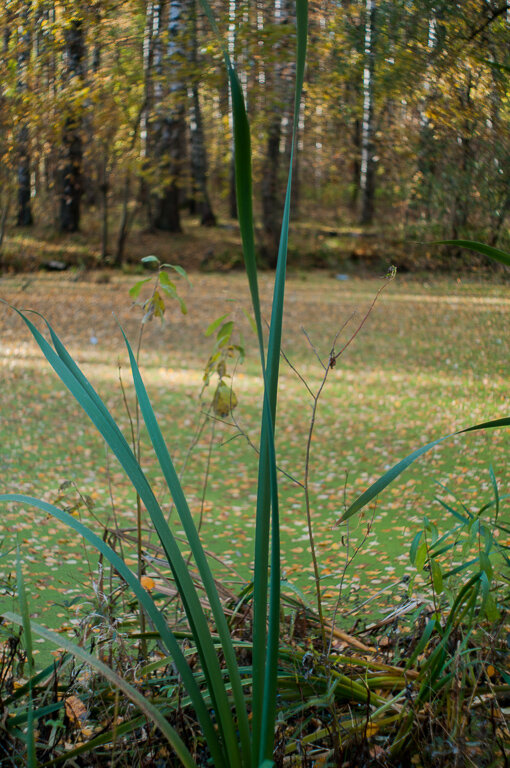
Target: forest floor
<point>431,358</point>
<point>338,246</point>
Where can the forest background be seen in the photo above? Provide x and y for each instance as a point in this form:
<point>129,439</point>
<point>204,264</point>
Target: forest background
<point>115,118</point>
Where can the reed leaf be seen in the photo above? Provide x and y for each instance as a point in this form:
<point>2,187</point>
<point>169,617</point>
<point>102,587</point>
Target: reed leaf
<point>487,250</point>
<point>389,476</point>
<point>148,605</point>
<point>27,641</point>
<point>138,699</point>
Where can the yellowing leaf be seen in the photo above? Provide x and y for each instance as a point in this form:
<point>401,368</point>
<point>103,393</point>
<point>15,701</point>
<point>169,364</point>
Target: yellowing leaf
<point>147,583</point>
<point>76,710</point>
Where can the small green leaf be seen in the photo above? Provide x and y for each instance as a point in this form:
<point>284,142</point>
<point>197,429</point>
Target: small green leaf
<point>485,584</point>
<point>491,608</point>
<point>225,333</point>
<point>414,547</point>
<point>180,270</point>
<point>437,576</point>
<point>215,324</point>
<point>150,260</point>
<point>165,281</point>
<point>171,291</point>
<point>485,565</point>
<point>421,556</point>
<point>184,308</point>
<point>134,292</point>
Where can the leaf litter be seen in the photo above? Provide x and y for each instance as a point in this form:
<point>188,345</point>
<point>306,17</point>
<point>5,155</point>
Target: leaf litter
<point>429,360</point>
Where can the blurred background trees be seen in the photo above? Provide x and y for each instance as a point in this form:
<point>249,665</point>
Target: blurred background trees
<point>119,111</point>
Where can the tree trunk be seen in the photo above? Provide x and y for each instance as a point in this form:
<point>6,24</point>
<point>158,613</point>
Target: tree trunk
<point>24,215</point>
<point>151,31</point>
<point>197,139</point>
<point>199,161</point>
<point>167,144</point>
<point>232,40</point>
<point>367,176</point>
<point>278,82</point>
<point>271,202</point>
<point>3,221</point>
<point>104,186</point>
<point>70,176</point>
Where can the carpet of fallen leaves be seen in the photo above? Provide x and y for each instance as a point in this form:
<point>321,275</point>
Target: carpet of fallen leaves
<point>432,357</point>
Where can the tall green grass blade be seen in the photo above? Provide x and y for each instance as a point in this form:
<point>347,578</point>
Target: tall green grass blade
<point>168,469</point>
<point>265,646</point>
<point>265,700</point>
<point>385,480</point>
<point>34,714</point>
<point>496,492</point>
<point>38,678</point>
<point>88,399</point>
<point>148,605</point>
<point>148,709</point>
<point>243,176</point>
<point>486,250</point>
<point>27,641</point>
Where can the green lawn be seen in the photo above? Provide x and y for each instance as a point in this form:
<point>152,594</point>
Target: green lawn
<point>432,357</point>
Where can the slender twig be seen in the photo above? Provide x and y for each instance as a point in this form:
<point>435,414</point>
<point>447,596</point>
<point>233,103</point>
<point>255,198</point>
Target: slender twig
<point>298,374</point>
<point>333,357</point>
<point>312,346</point>
<point>494,14</point>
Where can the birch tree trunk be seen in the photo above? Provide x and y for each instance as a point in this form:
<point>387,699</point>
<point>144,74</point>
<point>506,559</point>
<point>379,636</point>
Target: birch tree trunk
<point>367,176</point>
<point>232,40</point>
<point>169,144</point>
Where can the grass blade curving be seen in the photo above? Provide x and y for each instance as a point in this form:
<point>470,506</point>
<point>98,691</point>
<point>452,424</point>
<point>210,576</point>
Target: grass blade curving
<point>89,400</point>
<point>150,608</point>
<point>486,250</point>
<point>174,485</point>
<point>27,638</point>
<point>148,709</point>
<point>385,480</point>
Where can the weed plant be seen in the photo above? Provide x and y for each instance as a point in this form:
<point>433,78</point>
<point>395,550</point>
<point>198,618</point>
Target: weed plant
<point>232,685</point>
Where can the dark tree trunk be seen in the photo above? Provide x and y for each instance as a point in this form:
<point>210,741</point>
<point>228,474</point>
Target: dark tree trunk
<point>356,168</point>
<point>166,142</point>
<point>199,161</point>
<point>279,79</point>
<point>3,221</point>
<point>461,202</point>
<point>24,215</point>
<point>197,139</point>
<point>461,198</point>
<point>70,175</point>
<point>104,187</point>
<point>271,205</point>
<point>124,222</point>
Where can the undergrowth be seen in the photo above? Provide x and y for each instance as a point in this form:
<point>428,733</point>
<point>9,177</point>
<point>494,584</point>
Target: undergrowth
<point>170,666</point>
